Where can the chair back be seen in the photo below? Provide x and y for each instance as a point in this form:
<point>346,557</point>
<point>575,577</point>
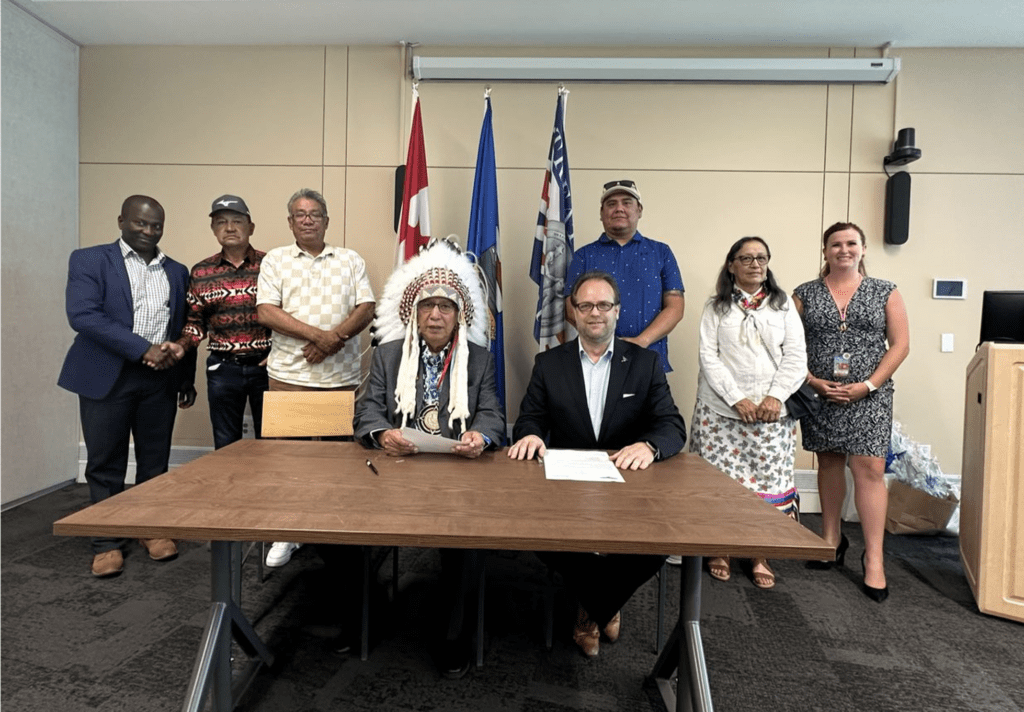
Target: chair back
<point>294,414</point>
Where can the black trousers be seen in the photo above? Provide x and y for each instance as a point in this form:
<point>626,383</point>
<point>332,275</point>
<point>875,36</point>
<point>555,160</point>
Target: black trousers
<point>142,405</point>
<point>460,573</point>
<point>603,583</point>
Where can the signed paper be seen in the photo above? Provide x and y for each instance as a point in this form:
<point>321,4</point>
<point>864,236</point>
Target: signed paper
<point>425,442</point>
<point>580,465</point>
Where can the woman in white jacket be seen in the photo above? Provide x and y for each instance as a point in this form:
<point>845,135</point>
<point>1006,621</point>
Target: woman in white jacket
<point>752,358</point>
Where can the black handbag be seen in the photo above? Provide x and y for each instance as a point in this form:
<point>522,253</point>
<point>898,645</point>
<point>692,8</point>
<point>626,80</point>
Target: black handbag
<point>805,401</point>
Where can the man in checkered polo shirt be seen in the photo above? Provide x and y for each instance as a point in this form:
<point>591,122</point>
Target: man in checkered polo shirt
<point>317,299</point>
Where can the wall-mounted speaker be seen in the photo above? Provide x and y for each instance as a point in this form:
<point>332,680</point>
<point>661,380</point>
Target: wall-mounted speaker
<point>897,209</point>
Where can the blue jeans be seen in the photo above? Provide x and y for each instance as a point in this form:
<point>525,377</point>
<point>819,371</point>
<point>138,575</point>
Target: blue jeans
<point>228,386</point>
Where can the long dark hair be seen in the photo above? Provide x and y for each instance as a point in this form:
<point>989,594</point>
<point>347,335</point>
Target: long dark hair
<point>839,227</point>
<point>727,283</point>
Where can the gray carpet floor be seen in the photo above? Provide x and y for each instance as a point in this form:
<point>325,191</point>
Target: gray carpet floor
<point>73,643</point>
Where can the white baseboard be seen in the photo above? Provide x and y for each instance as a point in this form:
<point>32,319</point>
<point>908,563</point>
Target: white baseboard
<point>179,456</point>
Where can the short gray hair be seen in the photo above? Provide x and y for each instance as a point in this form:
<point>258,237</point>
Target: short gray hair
<point>311,195</point>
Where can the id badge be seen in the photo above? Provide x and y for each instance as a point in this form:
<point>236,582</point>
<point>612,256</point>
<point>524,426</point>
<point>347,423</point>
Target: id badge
<point>841,366</point>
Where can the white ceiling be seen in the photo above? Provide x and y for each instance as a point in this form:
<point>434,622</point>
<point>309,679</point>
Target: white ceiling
<point>775,23</point>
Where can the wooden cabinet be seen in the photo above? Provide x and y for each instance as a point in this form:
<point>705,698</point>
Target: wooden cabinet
<point>992,497</point>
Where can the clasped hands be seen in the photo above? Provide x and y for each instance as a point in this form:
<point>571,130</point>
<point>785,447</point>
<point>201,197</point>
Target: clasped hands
<point>766,412</point>
<point>162,356</point>
<point>470,445</point>
<point>326,343</point>
<point>844,393</point>
<point>637,456</point>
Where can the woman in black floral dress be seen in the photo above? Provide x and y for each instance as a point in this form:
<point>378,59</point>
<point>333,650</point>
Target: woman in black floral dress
<point>857,336</point>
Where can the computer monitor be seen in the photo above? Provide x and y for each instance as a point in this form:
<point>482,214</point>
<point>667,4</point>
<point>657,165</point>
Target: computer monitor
<point>1002,317</point>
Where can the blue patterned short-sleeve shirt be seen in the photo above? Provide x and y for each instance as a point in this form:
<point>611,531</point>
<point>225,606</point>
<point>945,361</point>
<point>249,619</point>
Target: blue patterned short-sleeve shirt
<point>644,269</point>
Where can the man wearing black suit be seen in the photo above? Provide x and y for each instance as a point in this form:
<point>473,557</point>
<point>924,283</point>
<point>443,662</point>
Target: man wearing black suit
<point>601,393</point>
<point>126,300</point>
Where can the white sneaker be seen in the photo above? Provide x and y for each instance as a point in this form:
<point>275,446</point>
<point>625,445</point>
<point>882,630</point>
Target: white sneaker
<point>281,553</point>
<point>673,560</point>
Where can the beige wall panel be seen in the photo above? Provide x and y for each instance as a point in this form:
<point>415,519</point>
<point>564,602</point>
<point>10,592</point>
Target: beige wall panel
<point>967,106</point>
<point>369,225</point>
<point>835,205</point>
<point>873,132</point>
<point>232,105</point>
<point>959,229</point>
<point>523,116</point>
<point>379,108</point>
<point>186,193</point>
<point>336,97</point>
<point>838,131</point>
<point>697,127</point>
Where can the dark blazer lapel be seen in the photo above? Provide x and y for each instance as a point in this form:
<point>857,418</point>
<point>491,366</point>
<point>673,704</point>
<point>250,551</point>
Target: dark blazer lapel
<point>621,363</point>
<point>443,404</point>
<point>122,283</point>
<point>177,301</point>
<point>576,385</point>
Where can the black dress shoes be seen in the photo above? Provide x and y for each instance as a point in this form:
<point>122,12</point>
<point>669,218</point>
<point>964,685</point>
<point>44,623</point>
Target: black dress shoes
<point>453,659</point>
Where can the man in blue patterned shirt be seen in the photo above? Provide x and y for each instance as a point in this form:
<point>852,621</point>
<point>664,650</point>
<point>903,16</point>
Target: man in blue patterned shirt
<point>645,270</point>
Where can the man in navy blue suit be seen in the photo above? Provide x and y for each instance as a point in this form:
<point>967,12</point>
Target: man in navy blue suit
<point>126,300</point>
<point>599,393</point>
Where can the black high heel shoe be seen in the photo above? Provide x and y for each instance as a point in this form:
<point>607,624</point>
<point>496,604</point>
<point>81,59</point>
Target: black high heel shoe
<point>840,560</point>
<point>875,594</point>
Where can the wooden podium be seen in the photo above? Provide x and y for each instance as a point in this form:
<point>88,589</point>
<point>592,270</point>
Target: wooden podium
<point>992,498</point>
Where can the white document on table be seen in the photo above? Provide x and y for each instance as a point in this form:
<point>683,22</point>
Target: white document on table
<point>426,442</point>
<point>580,465</point>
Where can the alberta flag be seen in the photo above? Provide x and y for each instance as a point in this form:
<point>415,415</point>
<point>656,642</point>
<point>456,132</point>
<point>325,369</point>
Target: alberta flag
<point>482,241</point>
<point>552,244</point>
<point>414,226</point>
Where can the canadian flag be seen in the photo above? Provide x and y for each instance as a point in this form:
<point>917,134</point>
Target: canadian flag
<point>414,227</point>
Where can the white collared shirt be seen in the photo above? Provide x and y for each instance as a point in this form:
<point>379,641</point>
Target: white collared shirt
<point>595,378</point>
<point>151,294</point>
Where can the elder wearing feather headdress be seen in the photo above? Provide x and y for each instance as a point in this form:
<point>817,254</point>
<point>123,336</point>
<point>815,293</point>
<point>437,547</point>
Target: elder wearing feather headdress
<point>432,370</point>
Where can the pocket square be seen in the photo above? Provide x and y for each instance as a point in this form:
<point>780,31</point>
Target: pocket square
<point>628,395</point>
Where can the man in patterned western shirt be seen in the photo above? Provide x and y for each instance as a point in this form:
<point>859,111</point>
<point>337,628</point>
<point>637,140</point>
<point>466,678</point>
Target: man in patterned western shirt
<point>222,305</point>
<point>316,298</point>
<point>645,270</point>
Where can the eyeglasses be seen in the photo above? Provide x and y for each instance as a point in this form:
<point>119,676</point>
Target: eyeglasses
<point>301,216</point>
<point>445,307</point>
<point>587,307</point>
<point>620,184</point>
<point>747,260</point>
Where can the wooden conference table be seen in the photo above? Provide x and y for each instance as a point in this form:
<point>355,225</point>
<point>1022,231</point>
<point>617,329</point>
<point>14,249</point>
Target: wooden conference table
<point>324,492</point>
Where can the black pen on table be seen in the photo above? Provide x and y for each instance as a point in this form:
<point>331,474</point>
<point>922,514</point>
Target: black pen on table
<point>374,469</point>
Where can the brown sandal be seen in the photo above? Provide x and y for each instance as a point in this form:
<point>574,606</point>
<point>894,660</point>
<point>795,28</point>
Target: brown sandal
<point>719,568</point>
<point>765,578</point>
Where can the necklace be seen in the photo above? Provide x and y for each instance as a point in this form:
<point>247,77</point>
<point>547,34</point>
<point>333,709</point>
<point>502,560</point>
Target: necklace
<point>836,293</point>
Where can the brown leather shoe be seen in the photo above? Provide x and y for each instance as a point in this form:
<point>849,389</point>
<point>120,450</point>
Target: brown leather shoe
<point>109,563</point>
<point>160,549</point>
<point>586,634</point>
<point>611,631</point>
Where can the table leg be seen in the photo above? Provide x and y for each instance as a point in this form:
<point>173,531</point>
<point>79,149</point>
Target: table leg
<point>684,651</point>
<point>212,668</point>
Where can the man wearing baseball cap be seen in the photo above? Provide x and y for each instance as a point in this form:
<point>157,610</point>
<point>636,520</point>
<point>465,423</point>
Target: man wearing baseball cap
<point>645,270</point>
<point>222,306</point>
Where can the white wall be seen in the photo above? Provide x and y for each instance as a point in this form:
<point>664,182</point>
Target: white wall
<point>40,228</point>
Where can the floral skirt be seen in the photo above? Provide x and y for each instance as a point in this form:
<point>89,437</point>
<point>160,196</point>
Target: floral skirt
<point>759,456</point>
